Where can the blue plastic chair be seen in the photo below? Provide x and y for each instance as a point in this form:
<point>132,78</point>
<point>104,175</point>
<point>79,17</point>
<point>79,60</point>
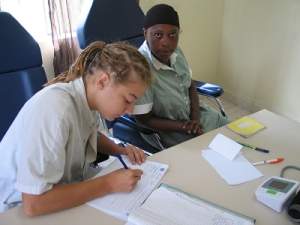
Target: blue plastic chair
<point>212,91</point>
<point>114,20</point>
<point>21,71</point>
<point>111,21</point>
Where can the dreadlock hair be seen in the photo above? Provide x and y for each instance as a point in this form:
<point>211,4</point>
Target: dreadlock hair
<point>118,60</point>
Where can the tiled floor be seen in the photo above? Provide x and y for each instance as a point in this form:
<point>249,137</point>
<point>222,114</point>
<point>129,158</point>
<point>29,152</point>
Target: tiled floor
<point>233,111</point>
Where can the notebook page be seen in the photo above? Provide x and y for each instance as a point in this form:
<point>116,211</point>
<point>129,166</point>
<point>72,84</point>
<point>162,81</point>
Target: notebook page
<point>171,207</point>
<point>121,204</point>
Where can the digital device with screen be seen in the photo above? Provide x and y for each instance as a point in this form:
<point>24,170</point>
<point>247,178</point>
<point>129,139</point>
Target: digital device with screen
<point>276,192</point>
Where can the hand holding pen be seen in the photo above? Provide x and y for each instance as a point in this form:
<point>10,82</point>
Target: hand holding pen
<point>123,180</point>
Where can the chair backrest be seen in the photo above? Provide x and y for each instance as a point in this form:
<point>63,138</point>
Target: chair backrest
<point>21,71</point>
<point>111,21</point>
<point>126,129</point>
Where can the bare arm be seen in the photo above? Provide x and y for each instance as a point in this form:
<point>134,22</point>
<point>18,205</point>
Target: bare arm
<point>193,126</point>
<point>65,196</point>
<point>194,101</point>
<point>107,146</point>
<point>160,124</point>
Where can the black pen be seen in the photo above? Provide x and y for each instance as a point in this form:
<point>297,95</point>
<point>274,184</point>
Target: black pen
<point>253,147</point>
<point>122,161</point>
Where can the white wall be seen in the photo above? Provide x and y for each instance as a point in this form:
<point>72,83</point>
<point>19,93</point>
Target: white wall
<point>260,54</point>
<point>201,23</point>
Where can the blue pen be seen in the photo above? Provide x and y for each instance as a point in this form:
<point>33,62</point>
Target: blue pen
<point>122,161</point>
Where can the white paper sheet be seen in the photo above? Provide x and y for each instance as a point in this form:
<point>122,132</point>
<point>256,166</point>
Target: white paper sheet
<point>121,204</point>
<point>235,171</point>
<point>225,146</point>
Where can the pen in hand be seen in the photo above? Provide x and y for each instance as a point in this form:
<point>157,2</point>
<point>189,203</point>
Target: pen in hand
<point>253,147</point>
<point>122,161</point>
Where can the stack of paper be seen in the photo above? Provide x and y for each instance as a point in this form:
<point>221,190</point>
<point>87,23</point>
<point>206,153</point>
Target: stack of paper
<point>245,126</point>
<point>225,157</point>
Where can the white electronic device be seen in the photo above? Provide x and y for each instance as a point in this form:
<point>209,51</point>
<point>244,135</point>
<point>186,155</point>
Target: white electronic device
<point>276,192</point>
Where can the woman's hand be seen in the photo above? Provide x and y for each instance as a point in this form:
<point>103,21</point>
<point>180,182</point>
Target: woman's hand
<point>123,180</point>
<point>135,154</point>
<point>192,127</point>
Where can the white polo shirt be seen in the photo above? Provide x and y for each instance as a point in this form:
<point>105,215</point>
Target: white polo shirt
<point>52,140</point>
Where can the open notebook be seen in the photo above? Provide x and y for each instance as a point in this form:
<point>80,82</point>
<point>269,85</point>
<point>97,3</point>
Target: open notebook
<point>170,206</point>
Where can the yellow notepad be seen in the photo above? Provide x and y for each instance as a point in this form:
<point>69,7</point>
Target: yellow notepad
<point>245,126</point>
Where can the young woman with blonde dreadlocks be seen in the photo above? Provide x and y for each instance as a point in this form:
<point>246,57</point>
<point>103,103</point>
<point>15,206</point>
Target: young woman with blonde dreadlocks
<point>48,148</point>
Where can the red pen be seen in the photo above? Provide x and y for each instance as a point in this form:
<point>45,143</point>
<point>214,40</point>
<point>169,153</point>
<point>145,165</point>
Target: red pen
<point>269,161</point>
